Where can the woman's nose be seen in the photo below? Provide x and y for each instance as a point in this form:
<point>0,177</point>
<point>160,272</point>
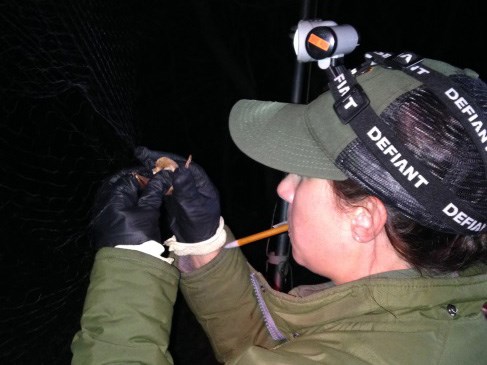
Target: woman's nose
<point>287,187</point>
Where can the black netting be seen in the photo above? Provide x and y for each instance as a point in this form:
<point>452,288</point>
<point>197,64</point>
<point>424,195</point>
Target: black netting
<point>51,48</point>
<point>67,95</point>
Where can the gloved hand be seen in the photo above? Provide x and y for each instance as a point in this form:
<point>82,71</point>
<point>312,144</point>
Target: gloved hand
<point>126,214</point>
<point>194,205</point>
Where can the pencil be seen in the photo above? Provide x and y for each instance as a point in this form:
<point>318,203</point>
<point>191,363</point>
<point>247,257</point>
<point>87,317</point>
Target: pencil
<point>281,228</point>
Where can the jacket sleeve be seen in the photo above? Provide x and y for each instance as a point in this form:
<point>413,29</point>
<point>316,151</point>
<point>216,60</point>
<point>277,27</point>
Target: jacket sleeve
<point>128,310</point>
<point>221,296</point>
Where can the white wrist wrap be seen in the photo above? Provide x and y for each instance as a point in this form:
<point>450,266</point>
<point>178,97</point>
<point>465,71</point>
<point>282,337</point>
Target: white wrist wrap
<point>152,248</point>
<point>199,248</point>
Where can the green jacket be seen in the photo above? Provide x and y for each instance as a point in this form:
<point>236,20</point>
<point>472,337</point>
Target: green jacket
<point>393,318</point>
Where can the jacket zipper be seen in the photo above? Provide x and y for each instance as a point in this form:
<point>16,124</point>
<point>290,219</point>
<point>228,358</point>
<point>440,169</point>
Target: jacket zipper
<point>268,320</point>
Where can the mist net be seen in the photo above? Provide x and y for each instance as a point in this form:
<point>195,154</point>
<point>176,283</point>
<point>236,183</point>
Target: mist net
<point>66,102</point>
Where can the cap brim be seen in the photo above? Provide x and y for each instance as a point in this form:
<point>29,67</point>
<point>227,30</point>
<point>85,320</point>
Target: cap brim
<point>276,135</point>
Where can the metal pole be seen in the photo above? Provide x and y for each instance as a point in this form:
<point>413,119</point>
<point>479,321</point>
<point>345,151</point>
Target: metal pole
<point>277,264</point>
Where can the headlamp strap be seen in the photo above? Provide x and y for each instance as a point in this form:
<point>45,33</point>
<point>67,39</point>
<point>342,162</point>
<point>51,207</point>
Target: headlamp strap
<point>350,99</point>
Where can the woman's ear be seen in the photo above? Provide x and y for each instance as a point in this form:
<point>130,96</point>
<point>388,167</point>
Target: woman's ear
<point>368,220</point>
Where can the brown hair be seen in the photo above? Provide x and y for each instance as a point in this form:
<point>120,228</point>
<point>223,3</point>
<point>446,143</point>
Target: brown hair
<point>425,249</point>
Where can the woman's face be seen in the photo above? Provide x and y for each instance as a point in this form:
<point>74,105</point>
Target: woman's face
<point>317,227</point>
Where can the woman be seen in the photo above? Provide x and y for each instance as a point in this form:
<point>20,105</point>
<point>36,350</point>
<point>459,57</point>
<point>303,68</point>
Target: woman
<point>386,187</point>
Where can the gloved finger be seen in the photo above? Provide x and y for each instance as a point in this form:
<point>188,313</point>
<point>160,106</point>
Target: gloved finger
<point>194,177</point>
<point>124,192</point>
<point>143,176</point>
<point>184,184</point>
<point>193,216</point>
<point>149,157</point>
<point>155,190</point>
<point>120,190</point>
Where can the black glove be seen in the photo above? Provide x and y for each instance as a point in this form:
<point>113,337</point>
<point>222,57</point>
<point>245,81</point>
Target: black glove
<point>126,214</point>
<point>194,205</point>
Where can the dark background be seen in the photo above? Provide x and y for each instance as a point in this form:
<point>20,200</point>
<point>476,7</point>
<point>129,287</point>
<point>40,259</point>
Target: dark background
<point>83,82</point>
